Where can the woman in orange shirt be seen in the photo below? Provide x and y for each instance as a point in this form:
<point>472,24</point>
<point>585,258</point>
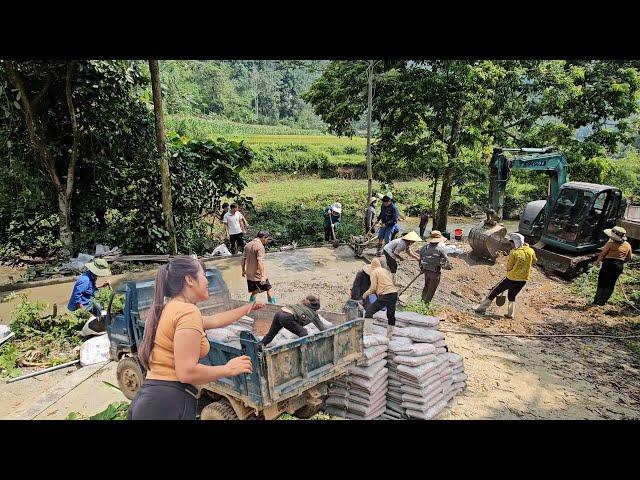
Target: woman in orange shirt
<point>615,253</point>
<point>175,340</point>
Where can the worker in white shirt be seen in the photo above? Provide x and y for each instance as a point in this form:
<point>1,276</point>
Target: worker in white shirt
<point>235,225</point>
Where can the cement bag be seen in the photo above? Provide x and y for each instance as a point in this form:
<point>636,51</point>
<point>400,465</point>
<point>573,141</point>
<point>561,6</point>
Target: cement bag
<point>419,349</point>
<point>421,335</point>
<point>426,414</point>
<point>220,334</point>
<point>364,383</point>
<point>440,350</point>
<point>94,350</point>
<point>372,360</point>
<point>428,390</point>
<point>400,344</point>
<point>221,250</point>
<point>441,343</point>
<point>413,361</point>
<point>454,357</point>
<point>374,351</point>
<point>460,377</point>
<point>420,371</point>
<point>417,319</point>
<point>423,399</point>
<point>325,323</point>
<point>375,340</point>
<point>377,330</point>
<point>368,372</point>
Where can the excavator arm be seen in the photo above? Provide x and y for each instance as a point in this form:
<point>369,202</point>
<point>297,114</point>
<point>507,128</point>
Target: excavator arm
<point>538,159</point>
<point>488,238</point>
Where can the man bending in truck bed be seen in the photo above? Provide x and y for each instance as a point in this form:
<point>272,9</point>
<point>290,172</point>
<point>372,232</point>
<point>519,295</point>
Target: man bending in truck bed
<point>294,318</point>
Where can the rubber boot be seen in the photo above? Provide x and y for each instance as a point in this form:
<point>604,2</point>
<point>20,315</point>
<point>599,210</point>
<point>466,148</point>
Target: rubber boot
<point>379,251</point>
<point>272,300</point>
<point>368,326</point>
<point>511,310</point>
<point>482,307</point>
<point>252,298</point>
<point>389,331</point>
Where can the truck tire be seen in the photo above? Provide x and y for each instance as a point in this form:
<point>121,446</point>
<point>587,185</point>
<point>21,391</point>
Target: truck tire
<point>130,376</point>
<point>307,411</point>
<point>218,410</point>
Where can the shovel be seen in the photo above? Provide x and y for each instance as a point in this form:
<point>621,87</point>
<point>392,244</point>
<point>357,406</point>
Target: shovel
<point>500,299</point>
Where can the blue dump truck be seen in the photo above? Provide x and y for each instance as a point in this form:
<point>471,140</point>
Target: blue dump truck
<point>289,378</point>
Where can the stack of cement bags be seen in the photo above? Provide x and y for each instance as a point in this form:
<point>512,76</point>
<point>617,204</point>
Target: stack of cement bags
<point>395,410</point>
<point>361,394</point>
<point>423,375</point>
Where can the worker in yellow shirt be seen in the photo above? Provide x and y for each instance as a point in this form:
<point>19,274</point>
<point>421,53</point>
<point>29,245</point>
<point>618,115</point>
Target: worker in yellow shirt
<point>521,259</point>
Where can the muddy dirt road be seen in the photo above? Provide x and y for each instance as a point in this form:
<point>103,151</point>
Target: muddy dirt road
<point>509,377</point>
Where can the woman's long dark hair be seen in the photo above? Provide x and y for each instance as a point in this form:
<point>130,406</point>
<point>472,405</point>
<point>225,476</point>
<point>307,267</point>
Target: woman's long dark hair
<point>169,283</point>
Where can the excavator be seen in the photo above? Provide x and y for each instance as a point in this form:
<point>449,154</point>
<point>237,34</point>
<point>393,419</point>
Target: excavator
<point>565,230</point>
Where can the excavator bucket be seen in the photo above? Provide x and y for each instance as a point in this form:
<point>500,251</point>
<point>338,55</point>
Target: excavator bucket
<point>487,241</point>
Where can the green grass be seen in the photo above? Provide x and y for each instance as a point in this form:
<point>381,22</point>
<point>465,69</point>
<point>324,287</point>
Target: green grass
<point>315,190</point>
<point>281,149</point>
<point>212,127</point>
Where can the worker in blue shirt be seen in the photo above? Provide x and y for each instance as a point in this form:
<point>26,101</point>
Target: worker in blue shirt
<point>389,219</point>
<point>85,288</point>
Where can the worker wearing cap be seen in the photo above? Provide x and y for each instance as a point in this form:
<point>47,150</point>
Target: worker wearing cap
<point>369,215</point>
<point>331,216</point>
<point>615,253</point>
<point>521,260</point>
<point>254,269</point>
<point>389,219</point>
<point>432,259</point>
<point>393,249</point>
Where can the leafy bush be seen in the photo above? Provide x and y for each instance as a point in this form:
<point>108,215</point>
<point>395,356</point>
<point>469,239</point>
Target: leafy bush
<point>418,306</point>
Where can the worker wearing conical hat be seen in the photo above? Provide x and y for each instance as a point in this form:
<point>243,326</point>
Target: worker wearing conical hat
<point>615,253</point>
<point>394,248</point>
<point>432,259</point>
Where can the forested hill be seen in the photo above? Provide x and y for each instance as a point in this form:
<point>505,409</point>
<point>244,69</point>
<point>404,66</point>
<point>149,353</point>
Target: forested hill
<point>248,91</point>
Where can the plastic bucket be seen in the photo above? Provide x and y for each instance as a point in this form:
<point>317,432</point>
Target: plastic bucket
<point>458,233</point>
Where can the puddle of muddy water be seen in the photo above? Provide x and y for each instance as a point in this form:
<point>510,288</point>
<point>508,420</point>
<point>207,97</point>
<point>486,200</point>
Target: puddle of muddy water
<point>291,273</point>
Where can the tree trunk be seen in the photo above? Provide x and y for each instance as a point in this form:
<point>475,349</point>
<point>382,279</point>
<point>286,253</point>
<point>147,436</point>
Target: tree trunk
<point>369,105</point>
<point>447,179</point>
<point>66,233</point>
<point>38,140</point>
<point>433,200</point>
<point>164,161</point>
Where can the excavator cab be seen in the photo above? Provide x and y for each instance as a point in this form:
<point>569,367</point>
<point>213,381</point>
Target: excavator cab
<point>579,216</point>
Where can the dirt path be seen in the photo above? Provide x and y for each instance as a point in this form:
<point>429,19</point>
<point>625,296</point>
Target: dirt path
<point>508,377</point>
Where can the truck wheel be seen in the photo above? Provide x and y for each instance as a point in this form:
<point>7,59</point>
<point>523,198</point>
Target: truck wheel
<point>130,376</point>
<point>219,410</point>
<point>307,411</point>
